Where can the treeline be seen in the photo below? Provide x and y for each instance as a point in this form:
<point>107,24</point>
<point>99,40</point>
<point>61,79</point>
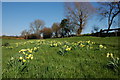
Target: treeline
<point>37,30</point>
<point>76,16</point>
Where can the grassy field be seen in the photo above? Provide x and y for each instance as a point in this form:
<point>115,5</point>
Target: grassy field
<point>74,57</point>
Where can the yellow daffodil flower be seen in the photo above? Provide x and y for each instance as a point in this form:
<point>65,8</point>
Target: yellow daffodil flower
<point>20,58</point>
<point>24,60</point>
<point>31,57</point>
<point>101,46</point>
<point>30,51</point>
<point>27,57</point>
<point>117,58</point>
<point>111,55</point>
<point>104,47</point>
<point>11,58</point>
<point>108,54</point>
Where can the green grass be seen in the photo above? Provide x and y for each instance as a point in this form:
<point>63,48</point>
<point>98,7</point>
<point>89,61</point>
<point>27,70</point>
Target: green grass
<point>47,63</point>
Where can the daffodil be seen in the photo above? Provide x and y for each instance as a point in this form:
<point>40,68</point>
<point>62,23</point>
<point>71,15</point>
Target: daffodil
<point>24,60</point>
<point>55,44</point>
<point>23,53</point>
<point>101,46</point>
<point>88,41</point>
<point>23,50</point>
<point>11,58</point>
<point>93,42</point>
<point>104,47</point>
<point>108,54</point>
<point>30,51</point>
<point>32,57</point>
<point>117,58</point>
<point>82,45</point>
<point>51,45</point>
<point>27,57</point>
<point>68,49</point>
<point>20,58</point>
<point>26,54</point>
<point>111,55</point>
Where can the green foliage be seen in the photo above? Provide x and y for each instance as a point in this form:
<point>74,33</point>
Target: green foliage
<point>64,27</point>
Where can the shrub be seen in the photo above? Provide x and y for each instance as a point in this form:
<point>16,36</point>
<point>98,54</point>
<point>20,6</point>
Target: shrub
<point>47,32</point>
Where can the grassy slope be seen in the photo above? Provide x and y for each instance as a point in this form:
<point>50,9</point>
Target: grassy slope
<point>77,64</point>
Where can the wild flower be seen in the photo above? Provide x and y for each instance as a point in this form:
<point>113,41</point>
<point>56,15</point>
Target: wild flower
<point>26,54</point>
<point>81,45</point>
<point>105,47</point>
<point>93,42</point>
<point>30,51</point>
<point>32,57</point>
<point>20,58</point>
<point>68,49</point>
<point>27,57</point>
<point>88,41</point>
<point>100,46</point>
<point>110,55</point>
<point>12,58</point>
<point>117,58</point>
<point>24,60</point>
<point>22,50</point>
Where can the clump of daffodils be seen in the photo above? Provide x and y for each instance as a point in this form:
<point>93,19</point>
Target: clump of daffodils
<point>55,44</point>
<point>27,54</point>
<point>35,49</point>
<point>110,55</point>
<point>81,45</point>
<point>88,41</point>
<point>113,61</point>
<point>68,48</point>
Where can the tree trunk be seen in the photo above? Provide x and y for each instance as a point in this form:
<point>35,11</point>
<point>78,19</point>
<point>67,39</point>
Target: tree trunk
<point>80,28</point>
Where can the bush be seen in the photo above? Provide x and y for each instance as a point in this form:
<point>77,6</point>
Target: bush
<point>32,36</point>
<point>47,32</point>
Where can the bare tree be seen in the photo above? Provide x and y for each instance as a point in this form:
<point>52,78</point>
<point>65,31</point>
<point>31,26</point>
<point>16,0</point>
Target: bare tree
<point>77,14</point>
<point>110,10</point>
<point>25,33</point>
<point>36,26</point>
